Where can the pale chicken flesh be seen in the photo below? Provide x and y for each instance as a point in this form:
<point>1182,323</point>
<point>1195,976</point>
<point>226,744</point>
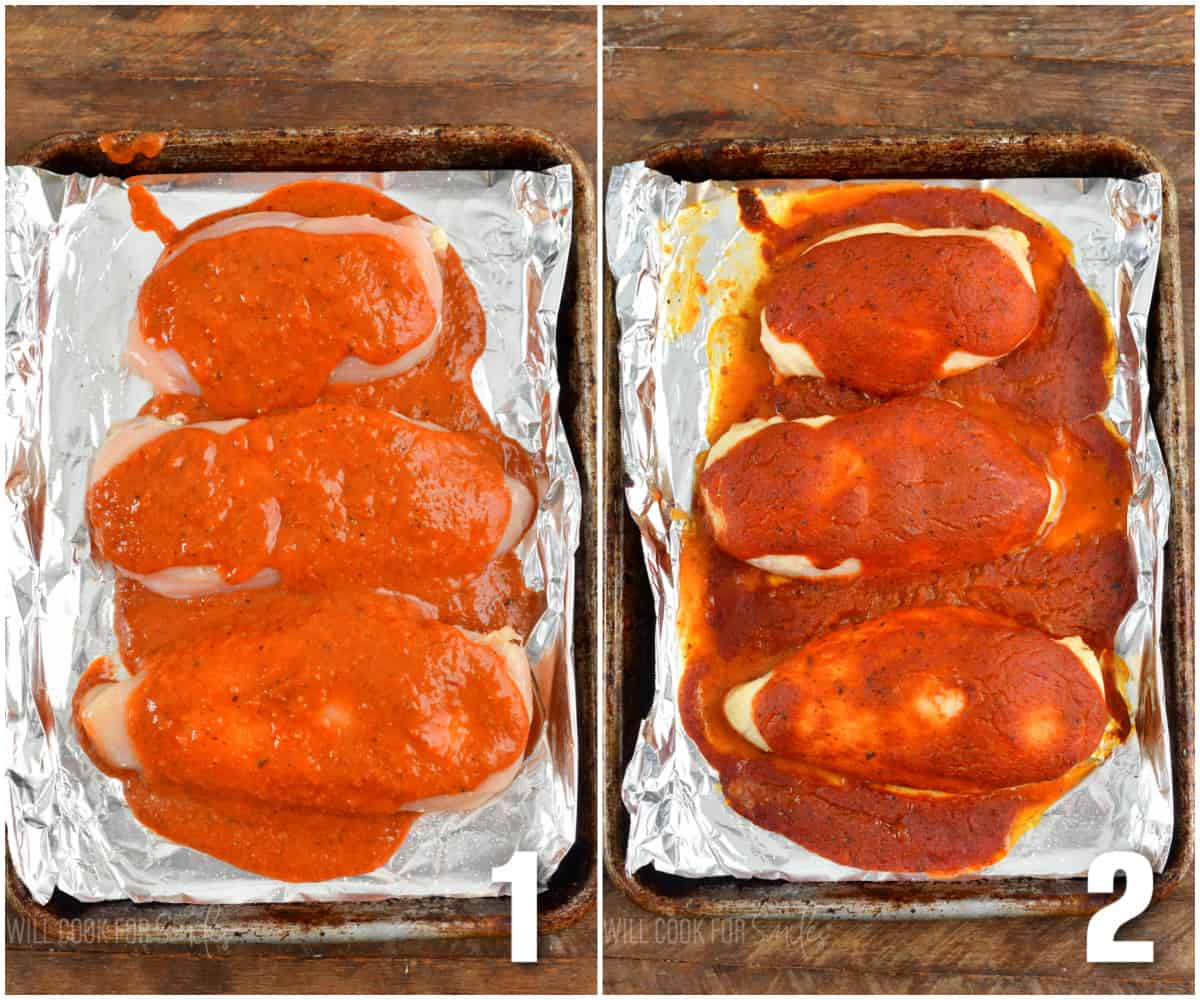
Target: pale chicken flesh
<point>212,296</point>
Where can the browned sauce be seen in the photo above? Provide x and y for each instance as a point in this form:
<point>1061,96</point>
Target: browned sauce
<point>942,698</point>
<point>926,297</point>
<point>1077,579</point>
<point>859,487</point>
<point>1060,374</point>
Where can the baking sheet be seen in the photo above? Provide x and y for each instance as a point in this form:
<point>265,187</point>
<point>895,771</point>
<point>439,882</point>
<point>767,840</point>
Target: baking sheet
<point>659,232</point>
<point>74,265</point>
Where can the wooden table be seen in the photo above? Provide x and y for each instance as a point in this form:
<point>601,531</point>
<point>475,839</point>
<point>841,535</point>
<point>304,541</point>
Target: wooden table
<point>212,67</point>
<point>566,964</point>
<point>104,68</point>
<point>711,73</point>
<point>646,953</point>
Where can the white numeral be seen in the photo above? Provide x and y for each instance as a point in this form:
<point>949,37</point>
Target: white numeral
<point>521,873</point>
<point>1102,943</point>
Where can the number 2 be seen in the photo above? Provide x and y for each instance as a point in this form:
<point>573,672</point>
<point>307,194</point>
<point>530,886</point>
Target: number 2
<point>520,871</point>
<point>1102,943</point>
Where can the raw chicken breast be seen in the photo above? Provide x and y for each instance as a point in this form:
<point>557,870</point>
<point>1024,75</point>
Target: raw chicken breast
<point>258,312</point>
<point>328,495</point>
<point>351,702</point>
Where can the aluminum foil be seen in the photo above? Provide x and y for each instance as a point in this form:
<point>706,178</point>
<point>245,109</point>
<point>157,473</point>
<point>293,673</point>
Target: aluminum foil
<point>660,233</point>
<point>75,263</point>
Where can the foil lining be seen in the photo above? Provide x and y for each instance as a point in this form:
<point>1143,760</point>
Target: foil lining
<point>75,262</point>
<point>661,234</point>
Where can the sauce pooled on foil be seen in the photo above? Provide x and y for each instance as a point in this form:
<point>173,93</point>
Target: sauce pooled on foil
<point>1077,579</point>
<point>322,635</point>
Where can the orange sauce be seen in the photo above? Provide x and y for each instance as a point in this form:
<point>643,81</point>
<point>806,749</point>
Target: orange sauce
<point>1078,579</point>
<point>157,635</point>
<point>236,308</point>
<point>438,389</point>
<point>146,622</point>
<point>146,214</point>
<point>122,147</point>
<point>292,844</point>
<point>329,495</point>
<point>310,708</point>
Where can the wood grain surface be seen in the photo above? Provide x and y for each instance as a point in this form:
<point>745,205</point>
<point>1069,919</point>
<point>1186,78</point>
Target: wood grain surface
<point>566,965</point>
<point>204,67</point>
<point>714,73</point>
<point>105,68</point>
<point>646,953</point>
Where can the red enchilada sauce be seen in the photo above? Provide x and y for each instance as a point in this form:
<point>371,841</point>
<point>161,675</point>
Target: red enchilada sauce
<point>1077,579</point>
<point>329,495</point>
<point>318,711</point>
<point>147,216</point>
<point>855,487</point>
<point>841,299</point>
<point>920,698</point>
<point>283,840</point>
<point>1061,374</point>
<point>288,843</point>
<point>122,147</point>
<point>237,307</point>
<point>291,843</point>
<point>438,389</point>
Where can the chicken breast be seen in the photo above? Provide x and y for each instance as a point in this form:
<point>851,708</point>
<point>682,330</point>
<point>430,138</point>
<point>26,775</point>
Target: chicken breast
<point>941,698</point>
<point>258,312</point>
<point>328,495</point>
<point>912,484</point>
<point>311,709</point>
<point>886,309</point>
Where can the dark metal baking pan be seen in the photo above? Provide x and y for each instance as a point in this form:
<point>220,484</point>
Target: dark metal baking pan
<point>629,608</point>
<point>572,889</point>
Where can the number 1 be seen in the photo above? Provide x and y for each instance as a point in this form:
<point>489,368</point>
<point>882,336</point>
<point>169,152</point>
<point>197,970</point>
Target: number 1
<point>521,873</point>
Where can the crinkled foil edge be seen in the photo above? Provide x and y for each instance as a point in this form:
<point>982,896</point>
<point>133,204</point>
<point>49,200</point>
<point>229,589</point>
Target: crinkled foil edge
<point>68,826</point>
<point>680,823</point>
